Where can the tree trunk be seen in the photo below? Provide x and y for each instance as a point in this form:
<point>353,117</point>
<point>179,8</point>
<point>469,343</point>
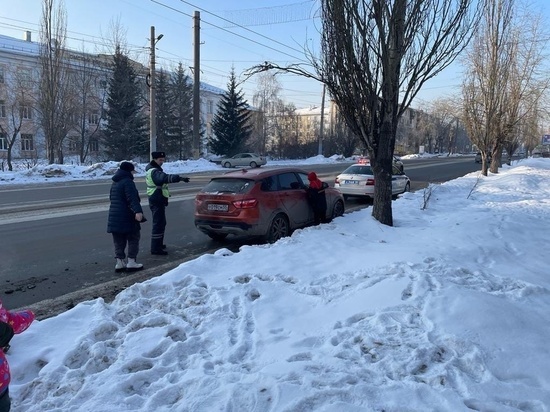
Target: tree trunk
<point>381,208</point>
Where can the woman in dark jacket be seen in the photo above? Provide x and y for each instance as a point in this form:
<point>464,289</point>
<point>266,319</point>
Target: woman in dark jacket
<point>125,215</point>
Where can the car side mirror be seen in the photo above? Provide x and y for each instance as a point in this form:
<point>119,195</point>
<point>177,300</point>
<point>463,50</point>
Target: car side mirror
<point>325,185</point>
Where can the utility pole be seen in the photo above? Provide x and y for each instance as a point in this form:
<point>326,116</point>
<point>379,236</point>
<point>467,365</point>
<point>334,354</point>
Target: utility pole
<point>152,102</point>
<point>322,126</point>
<point>196,85</point>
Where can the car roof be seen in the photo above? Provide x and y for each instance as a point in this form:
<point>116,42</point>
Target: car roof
<point>359,164</point>
<point>259,173</point>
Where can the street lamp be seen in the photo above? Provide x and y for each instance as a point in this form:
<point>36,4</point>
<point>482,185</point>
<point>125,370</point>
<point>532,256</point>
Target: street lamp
<point>152,103</point>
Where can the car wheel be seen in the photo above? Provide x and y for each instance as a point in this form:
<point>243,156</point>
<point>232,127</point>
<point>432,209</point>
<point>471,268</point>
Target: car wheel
<point>338,209</point>
<point>278,229</point>
<point>253,165</point>
<point>217,236</point>
<point>227,165</point>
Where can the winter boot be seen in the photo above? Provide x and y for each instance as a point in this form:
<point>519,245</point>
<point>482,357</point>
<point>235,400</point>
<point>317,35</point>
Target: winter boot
<point>120,265</point>
<point>132,265</point>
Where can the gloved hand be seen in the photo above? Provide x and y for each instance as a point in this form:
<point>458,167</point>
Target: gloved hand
<point>185,179</point>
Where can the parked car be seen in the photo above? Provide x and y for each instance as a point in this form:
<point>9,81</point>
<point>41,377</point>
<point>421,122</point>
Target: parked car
<point>396,162</point>
<point>265,203</point>
<point>243,159</point>
<point>358,180</point>
<point>478,157</point>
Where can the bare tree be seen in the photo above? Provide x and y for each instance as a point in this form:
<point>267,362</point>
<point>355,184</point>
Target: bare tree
<point>88,81</point>
<point>503,83</point>
<point>18,96</point>
<point>284,131</point>
<point>528,83</point>
<point>54,100</point>
<point>445,113</point>
<point>266,99</point>
<point>340,139</point>
<point>376,56</point>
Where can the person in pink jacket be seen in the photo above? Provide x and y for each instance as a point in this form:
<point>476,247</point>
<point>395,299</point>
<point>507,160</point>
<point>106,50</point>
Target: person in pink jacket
<point>10,323</point>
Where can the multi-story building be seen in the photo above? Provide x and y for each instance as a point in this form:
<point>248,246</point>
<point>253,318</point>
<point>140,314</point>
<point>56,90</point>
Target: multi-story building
<point>20,125</point>
<point>18,118</point>
<point>309,122</point>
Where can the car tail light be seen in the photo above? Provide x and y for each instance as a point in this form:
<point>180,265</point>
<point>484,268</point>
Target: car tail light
<point>370,182</point>
<point>245,204</point>
<point>336,181</point>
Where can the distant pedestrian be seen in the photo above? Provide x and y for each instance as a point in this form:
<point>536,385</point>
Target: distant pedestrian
<point>125,215</point>
<point>317,198</point>
<point>158,194</point>
<point>10,323</point>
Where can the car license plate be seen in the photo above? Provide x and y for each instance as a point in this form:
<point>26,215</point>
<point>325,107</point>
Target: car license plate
<point>217,208</point>
<point>351,182</point>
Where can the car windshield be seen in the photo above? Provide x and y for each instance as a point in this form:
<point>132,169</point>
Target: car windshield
<point>228,185</point>
<point>358,170</point>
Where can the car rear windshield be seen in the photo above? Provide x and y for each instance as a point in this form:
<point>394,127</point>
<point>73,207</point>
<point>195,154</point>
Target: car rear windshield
<point>229,185</point>
<point>358,170</point>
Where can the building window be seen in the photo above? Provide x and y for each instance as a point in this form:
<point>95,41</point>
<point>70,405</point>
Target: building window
<point>26,77</point>
<point>210,109</point>
<point>73,144</point>
<point>93,117</point>
<point>2,74</point>
<point>27,142</point>
<point>94,145</point>
<point>2,108</point>
<point>25,112</point>
<point>3,141</point>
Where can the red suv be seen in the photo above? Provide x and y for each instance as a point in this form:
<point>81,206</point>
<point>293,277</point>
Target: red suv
<point>267,203</point>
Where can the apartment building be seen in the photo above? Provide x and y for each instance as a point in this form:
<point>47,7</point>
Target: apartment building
<point>20,124</point>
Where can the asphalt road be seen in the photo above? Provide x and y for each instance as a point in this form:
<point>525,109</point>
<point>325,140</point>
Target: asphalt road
<point>56,251</point>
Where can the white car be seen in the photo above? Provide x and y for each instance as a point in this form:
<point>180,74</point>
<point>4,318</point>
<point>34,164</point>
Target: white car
<point>358,180</point>
<point>244,159</point>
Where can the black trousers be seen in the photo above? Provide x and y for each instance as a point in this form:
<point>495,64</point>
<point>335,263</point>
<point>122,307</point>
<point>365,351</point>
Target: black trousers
<point>5,401</point>
<point>159,225</point>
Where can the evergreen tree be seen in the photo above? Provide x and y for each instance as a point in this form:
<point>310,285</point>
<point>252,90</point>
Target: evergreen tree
<point>181,139</point>
<point>231,124</point>
<point>165,117</point>
<point>126,131</point>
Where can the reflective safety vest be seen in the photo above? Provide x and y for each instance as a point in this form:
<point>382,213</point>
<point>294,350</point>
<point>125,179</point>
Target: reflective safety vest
<point>151,186</point>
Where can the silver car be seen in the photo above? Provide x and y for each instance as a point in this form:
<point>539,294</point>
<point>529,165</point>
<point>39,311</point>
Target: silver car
<point>358,180</point>
<point>244,159</point>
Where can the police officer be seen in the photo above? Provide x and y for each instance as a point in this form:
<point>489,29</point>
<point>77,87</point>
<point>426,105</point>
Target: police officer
<point>158,194</point>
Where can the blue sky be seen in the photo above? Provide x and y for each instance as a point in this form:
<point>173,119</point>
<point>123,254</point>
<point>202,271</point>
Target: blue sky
<point>277,32</point>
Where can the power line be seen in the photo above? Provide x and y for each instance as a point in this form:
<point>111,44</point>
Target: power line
<point>230,32</point>
<point>264,16</point>
<point>242,27</point>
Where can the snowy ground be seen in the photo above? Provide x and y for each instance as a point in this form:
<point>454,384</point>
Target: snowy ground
<point>445,311</point>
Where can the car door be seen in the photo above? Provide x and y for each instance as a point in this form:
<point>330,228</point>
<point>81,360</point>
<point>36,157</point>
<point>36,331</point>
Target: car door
<point>293,199</point>
<point>239,160</point>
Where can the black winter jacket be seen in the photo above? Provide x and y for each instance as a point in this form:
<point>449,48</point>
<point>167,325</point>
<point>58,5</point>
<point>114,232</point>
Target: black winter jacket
<point>317,198</point>
<point>125,203</point>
